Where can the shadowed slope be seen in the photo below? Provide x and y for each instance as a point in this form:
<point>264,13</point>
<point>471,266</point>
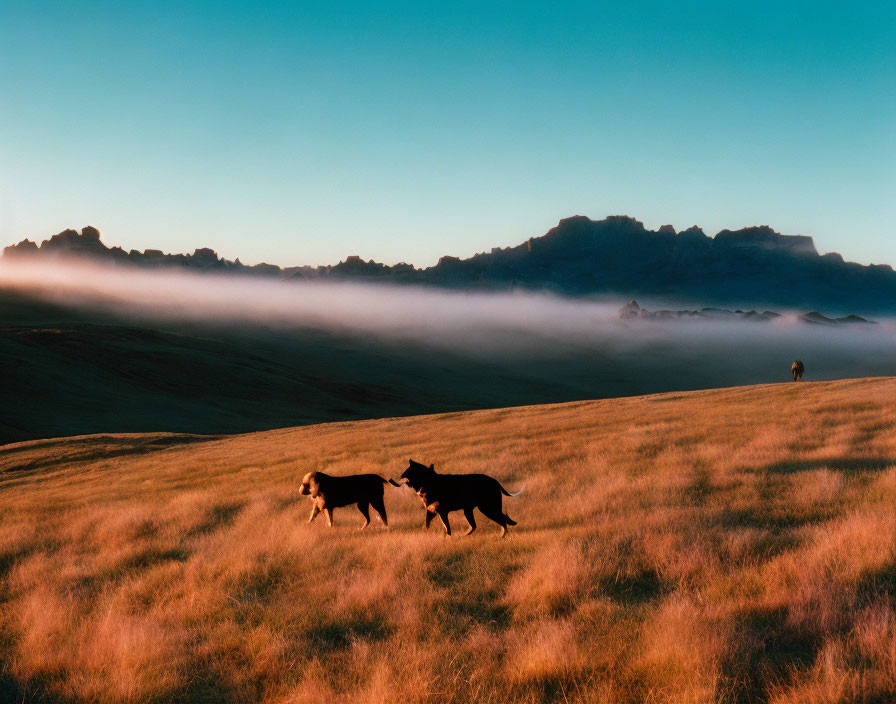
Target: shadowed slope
<point>148,352</point>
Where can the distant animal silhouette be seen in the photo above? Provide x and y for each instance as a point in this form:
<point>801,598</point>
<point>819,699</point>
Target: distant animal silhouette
<point>797,370</point>
<point>443,493</point>
<point>328,492</point>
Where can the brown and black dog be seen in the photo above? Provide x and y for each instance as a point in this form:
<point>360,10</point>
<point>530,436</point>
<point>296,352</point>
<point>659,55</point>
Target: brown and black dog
<point>443,493</point>
<point>328,492</point>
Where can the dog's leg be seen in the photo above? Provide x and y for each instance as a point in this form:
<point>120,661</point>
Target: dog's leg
<point>329,513</point>
<point>363,508</point>
<point>508,521</point>
<point>498,516</point>
<point>427,517</point>
<point>314,511</point>
<point>444,517</point>
<point>468,514</point>
<point>380,508</point>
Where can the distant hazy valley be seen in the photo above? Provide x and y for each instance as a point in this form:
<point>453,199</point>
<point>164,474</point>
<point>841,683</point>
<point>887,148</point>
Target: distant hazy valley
<point>152,344</point>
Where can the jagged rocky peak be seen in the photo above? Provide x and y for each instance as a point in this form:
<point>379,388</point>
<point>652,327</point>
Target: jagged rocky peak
<point>65,242</point>
<point>23,249</point>
<point>262,268</point>
<point>816,318</point>
<point>617,226</point>
<point>448,261</point>
<point>626,220</point>
<point>666,230</point>
<point>693,240</point>
<point>764,237</point>
<point>355,265</point>
<point>692,231</point>
<point>89,238</point>
<point>204,257</point>
<point>579,230</point>
<point>87,243</point>
<point>630,310</point>
<point>575,222</point>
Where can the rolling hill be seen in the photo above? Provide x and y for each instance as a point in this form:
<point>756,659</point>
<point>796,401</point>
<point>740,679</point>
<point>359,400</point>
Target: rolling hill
<point>730,545</point>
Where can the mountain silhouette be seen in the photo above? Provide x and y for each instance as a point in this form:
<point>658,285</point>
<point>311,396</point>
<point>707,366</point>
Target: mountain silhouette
<point>617,256</point>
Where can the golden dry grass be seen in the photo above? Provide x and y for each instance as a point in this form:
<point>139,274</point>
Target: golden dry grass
<point>736,545</point>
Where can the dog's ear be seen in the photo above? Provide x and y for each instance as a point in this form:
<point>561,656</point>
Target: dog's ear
<point>313,484</point>
<point>432,467</point>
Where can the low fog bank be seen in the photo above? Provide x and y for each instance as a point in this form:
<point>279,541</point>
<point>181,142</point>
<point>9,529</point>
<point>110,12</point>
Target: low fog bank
<point>461,321</point>
<point>95,349</point>
<point>481,324</point>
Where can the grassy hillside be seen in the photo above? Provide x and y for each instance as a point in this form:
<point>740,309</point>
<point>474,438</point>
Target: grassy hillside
<point>736,545</point>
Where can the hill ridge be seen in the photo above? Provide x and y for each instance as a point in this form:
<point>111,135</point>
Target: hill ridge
<point>581,257</point>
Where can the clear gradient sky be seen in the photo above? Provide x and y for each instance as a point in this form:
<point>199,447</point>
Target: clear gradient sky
<point>300,133</point>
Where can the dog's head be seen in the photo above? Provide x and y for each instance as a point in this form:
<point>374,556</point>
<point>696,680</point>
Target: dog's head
<point>309,485</point>
<point>417,474</point>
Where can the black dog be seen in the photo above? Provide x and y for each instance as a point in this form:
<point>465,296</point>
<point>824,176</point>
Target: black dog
<point>443,493</point>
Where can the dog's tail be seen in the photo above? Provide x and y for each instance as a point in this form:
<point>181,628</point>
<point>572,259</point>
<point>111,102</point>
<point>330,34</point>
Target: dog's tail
<point>507,493</point>
<point>391,481</point>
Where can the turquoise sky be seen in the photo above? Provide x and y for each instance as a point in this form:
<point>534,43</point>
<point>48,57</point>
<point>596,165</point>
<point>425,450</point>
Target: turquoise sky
<point>296,133</point>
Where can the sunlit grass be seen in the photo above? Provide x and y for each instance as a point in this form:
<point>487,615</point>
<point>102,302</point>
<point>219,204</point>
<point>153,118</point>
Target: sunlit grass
<point>721,546</point>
